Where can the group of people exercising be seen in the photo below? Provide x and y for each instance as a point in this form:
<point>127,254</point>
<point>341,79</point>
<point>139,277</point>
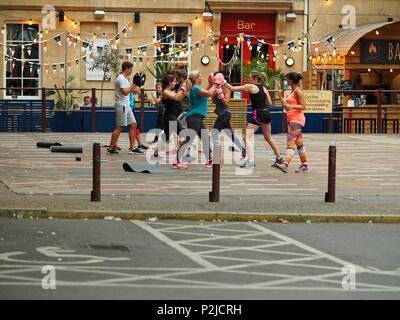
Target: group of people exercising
<point>182,102</point>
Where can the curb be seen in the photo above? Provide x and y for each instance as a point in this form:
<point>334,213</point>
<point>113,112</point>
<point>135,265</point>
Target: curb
<point>206,216</point>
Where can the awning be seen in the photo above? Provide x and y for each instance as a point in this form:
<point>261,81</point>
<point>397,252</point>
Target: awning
<point>345,39</point>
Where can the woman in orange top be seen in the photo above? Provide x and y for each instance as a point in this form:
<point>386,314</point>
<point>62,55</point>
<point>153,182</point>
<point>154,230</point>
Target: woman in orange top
<point>294,106</point>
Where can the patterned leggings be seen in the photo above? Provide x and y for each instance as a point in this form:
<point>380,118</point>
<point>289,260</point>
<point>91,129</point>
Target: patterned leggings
<point>295,140</point>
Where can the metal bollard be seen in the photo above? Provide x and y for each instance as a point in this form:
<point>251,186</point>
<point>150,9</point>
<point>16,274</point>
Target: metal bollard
<point>95,194</point>
<point>331,194</point>
<point>43,110</point>
<point>93,109</point>
<point>216,175</point>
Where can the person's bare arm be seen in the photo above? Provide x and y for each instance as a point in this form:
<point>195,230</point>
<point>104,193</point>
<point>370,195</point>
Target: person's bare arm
<point>208,93</point>
<point>301,99</point>
<point>171,95</point>
<point>127,91</point>
<point>227,97</point>
<point>268,99</point>
<point>246,87</point>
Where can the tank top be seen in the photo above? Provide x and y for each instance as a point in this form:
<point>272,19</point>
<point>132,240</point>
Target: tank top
<point>220,107</point>
<point>295,115</point>
<point>258,100</point>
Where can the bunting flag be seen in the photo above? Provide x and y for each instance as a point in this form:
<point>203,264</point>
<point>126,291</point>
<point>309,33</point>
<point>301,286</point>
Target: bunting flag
<point>77,63</point>
<point>275,49</point>
<point>54,68</point>
<point>129,52</point>
<point>140,61</point>
<point>134,61</point>
<point>143,49</point>
<point>46,68</point>
<point>58,40</point>
<point>29,50</point>
<point>249,42</point>
<point>259,46</point>
<point>84,60</point>
<point>62,66</point>
<point>291,45</point>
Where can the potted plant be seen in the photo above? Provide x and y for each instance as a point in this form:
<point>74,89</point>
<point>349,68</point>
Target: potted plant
<point>66,99</point>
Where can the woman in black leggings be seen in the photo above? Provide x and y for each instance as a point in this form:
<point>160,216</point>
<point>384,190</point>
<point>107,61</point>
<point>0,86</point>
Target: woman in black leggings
<point>195,116</point>
<point>169,99</point>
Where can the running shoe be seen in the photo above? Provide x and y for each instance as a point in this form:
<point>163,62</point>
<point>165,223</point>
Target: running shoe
<point>112,151</point>
<point>248,164</point>
<point>209,164</point>
<point>179,165</point>
<point>142,146</point>
<point>303,168</point>
<point>278,161</point>
<point>282,166</point>
<point>136,150</point>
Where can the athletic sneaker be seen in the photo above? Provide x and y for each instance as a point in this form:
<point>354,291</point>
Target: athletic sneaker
<point>282,166</point>
<point>136,150</point>
<point>141,146</point>
<point>303,168</point>
<point>112,151</point>
<point>209,164</point>
<point>179,165</point>
<point>280,161</point>
<point>248,164</point>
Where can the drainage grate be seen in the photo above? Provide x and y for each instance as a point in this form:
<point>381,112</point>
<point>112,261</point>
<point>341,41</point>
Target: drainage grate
<point>113,247</point>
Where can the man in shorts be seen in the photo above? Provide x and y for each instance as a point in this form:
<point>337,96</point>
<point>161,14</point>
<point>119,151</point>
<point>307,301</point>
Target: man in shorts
<point>123,112</point>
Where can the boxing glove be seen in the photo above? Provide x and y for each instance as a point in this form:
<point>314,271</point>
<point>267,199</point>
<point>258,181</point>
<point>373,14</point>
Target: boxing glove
<point>219,79</point>
<point>139,79</point>
<point>211,79</point>
<point>183,87</point>
<point>220,93</point>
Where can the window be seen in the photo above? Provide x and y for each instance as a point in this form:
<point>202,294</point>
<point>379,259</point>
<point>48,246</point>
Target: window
<point>174,40</point>
<point>18,44</point>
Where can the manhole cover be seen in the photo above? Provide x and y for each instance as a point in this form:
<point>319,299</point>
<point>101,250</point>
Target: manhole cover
<point>114,247</point>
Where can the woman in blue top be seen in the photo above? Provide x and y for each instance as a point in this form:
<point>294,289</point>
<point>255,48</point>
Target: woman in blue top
<point>195,116</point>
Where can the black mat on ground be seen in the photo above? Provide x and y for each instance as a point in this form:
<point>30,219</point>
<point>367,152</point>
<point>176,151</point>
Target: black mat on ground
<point>140,167</point>
<point>66,149</point>
<point>48,144</point>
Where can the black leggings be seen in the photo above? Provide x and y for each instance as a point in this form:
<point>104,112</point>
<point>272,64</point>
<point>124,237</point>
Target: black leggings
<point>175,125</point>
<point>223,122</point>
<point>196,124</point>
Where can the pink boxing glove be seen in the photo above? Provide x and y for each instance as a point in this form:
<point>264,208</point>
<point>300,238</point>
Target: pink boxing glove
<point>211,79</point>
<point>219,79</point>
<point>183,87</point>
<point>220,93</point>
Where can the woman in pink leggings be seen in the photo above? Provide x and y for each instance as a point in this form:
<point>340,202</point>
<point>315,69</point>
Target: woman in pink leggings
<point>294,106</point>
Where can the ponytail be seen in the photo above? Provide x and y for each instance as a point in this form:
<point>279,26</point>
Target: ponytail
<point>261,77</point>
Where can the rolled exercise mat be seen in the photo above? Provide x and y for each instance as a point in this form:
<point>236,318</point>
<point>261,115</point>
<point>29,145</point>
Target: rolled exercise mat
<point>66,149</point>
<point>140,167</point>
<point>48,144</point>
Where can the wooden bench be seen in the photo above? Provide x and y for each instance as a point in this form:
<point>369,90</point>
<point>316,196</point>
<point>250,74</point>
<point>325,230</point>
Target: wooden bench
<point>239,114</point>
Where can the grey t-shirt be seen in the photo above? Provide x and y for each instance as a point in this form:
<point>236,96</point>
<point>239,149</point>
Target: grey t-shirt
<point>121,83</point>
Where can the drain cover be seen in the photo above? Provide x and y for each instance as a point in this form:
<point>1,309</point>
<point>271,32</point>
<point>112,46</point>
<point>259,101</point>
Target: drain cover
<point>113,247</point>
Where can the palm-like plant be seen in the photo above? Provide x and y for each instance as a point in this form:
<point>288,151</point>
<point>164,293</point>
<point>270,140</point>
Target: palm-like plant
<point>65,96</point>
<point>160,68</point>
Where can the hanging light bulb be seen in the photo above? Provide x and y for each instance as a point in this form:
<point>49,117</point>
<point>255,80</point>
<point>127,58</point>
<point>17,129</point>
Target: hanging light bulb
<point>226,39</point>
<point>94,36</point>
<point>41,35</point>
<point>3,30</point>
<point>227,46</point>
<point>47,31</point>
<point>391,70</point>
<point>212,47</point>
<point>124,32</point>
<point>30,22</point>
